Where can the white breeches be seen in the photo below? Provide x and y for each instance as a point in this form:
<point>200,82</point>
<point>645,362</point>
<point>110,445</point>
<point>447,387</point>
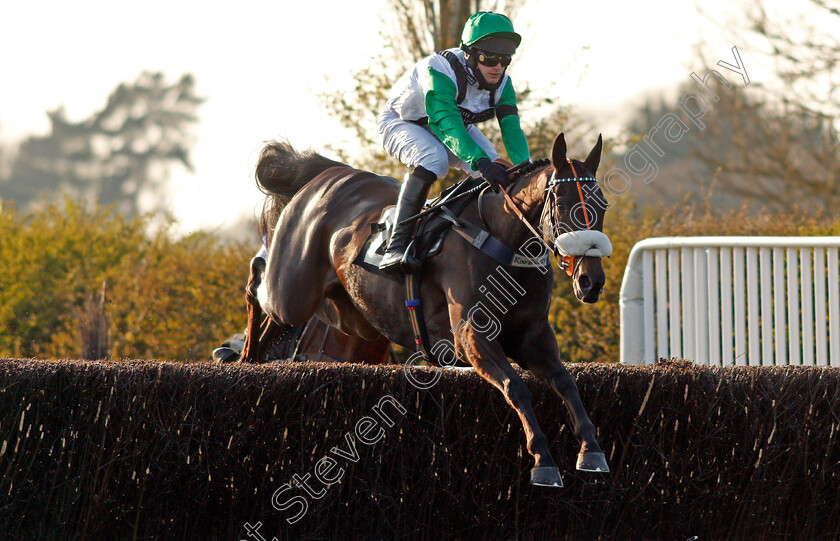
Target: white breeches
<point>416,145</point>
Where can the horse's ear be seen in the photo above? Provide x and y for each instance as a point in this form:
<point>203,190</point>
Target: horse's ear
<point>558,153</point>
<point>594,157</point>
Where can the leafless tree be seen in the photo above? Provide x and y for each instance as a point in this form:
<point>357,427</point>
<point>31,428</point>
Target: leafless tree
<point>776,141</point>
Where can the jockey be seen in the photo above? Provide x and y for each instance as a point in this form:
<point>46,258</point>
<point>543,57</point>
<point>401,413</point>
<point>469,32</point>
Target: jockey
<point>428,123</point>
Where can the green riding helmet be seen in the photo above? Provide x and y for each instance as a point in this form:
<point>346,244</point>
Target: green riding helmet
<point>491,32</point>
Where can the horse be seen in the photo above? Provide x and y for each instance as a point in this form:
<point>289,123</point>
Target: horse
<point>314,340</point>
<point>327,211</point>
<point>322,343</point>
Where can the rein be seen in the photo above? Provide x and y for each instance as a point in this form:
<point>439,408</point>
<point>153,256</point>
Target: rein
<point>521,216</point>
<point>567,263</point>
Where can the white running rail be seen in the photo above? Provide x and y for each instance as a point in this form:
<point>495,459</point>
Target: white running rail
<point>732,301</point>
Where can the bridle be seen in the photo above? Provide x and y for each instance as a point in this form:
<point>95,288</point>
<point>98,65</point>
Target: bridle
<point>567,263</point>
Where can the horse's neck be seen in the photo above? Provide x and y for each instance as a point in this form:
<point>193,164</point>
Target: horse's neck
<point>529,195</point>
<point>529,192</point>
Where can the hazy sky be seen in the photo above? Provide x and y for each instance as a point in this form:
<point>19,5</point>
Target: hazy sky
<point>260,63</point>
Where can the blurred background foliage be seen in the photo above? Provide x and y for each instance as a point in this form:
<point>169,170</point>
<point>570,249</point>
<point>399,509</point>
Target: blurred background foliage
<point>87,203</point>
<point>166,298</point>
<point>176,299</point>
<point>590,332</point>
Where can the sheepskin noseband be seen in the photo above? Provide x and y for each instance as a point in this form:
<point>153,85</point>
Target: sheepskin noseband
<point>584,243</point>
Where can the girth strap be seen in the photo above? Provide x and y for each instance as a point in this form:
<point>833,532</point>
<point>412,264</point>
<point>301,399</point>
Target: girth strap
<point>479,238</point>
<point>415,315</point>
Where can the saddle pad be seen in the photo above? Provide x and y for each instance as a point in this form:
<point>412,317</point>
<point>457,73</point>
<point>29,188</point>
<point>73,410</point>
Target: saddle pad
<point>432,229</point>
<point>374,247</point>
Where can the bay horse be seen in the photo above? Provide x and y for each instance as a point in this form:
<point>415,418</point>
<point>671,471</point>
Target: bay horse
<point>322,343</point>
<point>327,211</point>
<point>315,340</point>
<point>312,341</point>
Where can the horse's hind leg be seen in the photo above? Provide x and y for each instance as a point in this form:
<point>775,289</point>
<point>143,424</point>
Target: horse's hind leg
<point>251,351</point>
<point>491,364</point>
<point>260,330</point>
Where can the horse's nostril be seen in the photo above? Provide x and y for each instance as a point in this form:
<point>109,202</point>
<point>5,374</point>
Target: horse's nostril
<point>584,283</point>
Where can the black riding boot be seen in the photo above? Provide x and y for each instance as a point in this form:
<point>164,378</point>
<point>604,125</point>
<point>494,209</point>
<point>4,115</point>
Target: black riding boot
<point>412,196</point>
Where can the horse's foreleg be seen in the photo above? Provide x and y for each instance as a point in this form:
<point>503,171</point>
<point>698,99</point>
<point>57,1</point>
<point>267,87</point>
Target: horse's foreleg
<point>491,364</point>
<point>539,353</point>
<point>251,351</point>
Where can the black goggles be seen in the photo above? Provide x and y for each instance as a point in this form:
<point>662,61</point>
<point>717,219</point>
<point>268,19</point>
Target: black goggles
<point>491,59</point>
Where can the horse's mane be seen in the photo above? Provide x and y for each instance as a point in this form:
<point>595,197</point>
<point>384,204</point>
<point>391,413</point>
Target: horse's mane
<point>529,167</point>
<point>520,177</point>
<point>281,172</point>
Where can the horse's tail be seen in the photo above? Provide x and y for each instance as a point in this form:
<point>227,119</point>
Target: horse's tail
<point>281,172</point>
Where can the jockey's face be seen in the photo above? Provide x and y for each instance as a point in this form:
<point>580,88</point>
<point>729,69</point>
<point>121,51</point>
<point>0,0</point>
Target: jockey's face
<point>492,74</point>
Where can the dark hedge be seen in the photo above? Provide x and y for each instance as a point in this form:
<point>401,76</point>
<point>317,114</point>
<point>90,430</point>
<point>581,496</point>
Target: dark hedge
<point>149,450</point>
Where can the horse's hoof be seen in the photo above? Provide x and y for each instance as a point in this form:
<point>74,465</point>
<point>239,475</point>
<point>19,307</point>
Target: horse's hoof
<point>593,462</point>
<point>225,354</point>
<point>546,476</point>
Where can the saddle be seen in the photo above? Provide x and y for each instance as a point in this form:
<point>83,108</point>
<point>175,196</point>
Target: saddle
<point>438,216</point>
<point>433,227</point>
<point>431,230</point>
